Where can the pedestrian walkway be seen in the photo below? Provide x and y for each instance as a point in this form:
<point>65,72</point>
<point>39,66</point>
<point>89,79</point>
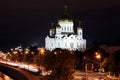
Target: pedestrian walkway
<point>90,75</point>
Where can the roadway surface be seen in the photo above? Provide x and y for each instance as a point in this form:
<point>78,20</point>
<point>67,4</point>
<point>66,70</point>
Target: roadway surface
<point>17,73</point>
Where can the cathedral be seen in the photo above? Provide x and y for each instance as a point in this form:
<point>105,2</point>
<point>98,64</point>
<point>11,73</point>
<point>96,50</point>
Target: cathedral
<point>63,36</point>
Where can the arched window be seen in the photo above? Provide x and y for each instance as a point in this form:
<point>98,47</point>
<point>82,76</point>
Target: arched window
<point>71,45</point>
<point>68,28</point>
<point>65,29</point>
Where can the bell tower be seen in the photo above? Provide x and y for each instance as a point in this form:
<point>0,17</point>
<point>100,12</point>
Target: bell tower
<point>52,30</point>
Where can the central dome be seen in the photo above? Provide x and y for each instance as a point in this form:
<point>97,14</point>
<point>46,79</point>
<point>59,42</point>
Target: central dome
<point>65,16</point>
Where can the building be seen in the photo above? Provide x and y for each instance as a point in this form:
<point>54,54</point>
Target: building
<point>63,35</point>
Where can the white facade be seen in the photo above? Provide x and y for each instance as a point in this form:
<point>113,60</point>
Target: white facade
<point>63,36</point>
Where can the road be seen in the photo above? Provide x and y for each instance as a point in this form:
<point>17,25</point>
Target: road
<point>17,73</point>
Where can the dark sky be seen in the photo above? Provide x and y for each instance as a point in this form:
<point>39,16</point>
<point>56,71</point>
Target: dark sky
<point>27,22</point>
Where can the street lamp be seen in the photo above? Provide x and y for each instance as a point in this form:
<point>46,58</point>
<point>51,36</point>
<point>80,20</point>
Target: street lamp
<point>33,56</point>
<point>86,77</point>
<point>85,67</point>
<point>84,62</point>
<point>42,51</point>
<point>41,55</point>
<point>15,55</point>
<point>25,55</point>
<point>98,56</point>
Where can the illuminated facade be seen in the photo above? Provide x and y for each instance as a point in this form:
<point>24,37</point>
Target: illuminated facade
<point>63,35</point>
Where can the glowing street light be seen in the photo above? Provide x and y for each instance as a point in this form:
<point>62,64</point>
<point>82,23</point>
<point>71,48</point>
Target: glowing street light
<point>98,56</point>
<point>15,52</point>
<point>55,53</point>
<point>26,52</point>
<point>42,50</point>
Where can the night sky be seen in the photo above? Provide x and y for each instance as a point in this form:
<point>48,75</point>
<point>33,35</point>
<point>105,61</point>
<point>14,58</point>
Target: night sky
<point>27,22</point>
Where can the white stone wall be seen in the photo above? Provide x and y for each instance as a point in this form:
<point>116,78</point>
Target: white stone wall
<point>71,42</point>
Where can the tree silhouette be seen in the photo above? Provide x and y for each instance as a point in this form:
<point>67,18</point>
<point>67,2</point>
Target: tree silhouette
<point>113,62</point>
<point>61,62</point>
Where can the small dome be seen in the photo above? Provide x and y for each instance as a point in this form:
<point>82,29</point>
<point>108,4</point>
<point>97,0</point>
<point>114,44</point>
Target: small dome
<point>58,26</point>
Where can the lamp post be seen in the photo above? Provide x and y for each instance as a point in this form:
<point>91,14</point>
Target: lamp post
<point>32,56</point>
<point>15,55</point>
<point>25,55</point>
<point>41,53</point>
<point>98,56</point>
<point>84,62</point>
<point>85,66</point>
<point>86,77</point>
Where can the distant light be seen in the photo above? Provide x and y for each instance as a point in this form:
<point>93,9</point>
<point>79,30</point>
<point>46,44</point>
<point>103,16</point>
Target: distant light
<point>11,49</point>
<point>15,52</point>
<point>98,56</point>
<point>26,52</point>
